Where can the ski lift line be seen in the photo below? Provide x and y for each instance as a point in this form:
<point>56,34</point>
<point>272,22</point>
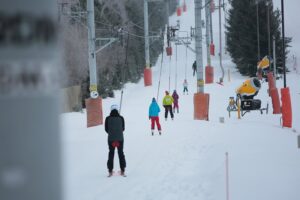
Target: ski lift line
<point>220,40</point>
<point>186,58</point>
<point>141,28</point>
<point>123,73</point>
<point>140,36</point>
<point>111,40</point>
<point>187,46</point>
<point>161,64</point>
<point>170,73</point>
<point>176,67</point>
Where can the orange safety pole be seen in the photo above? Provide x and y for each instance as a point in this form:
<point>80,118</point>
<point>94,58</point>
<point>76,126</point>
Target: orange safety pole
<point>286,107</point>
<point>94,111</point>
<point>178,11</point>
<point>201,105</point>
<point>273,92</point>
<point>209,74</point>
<point>147,76</point>
<point>275,100</point>
<point>271,81</point>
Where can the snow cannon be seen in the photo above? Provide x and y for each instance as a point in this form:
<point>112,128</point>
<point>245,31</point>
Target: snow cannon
<point>248,89</point>
<point>263,68</point>
<point>245,94</point>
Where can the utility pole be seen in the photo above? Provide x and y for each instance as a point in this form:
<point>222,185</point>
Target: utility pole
<point>283,44</point>
<point>198,45</point>
<point>208,31</point>
<point>257,28</point>
<point>274,59</point>
<point>268,3</point>
<point>30,136</point>
<point>91,47</point>
<point>211,26</point>
<point>285,92</point>
<point>147,70</point>
<point>220,38</point>
<point>201,99</point>
<point>146,27</point>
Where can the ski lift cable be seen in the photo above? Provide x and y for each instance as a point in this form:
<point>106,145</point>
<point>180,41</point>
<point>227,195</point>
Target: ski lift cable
<point>170,73</point>
<point>141,28</point>
<point>139,36</point>
<point>159,79</point>
<point>123,72</point>
<point>186,58</point>
<point>176,67</point>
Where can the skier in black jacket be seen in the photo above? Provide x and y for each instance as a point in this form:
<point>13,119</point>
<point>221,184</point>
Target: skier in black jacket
<point>114,126</point>
<point>194,68</point>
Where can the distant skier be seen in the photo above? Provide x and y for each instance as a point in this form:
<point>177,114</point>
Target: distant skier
<point>194,68</point>
<point>175,103</point>
<point>185,87</point>
<point>167,103</point>
<point>115,126</point>
<point>154,116</point>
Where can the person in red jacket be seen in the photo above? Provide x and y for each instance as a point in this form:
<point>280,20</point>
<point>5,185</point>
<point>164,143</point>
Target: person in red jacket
<point>175,103</point>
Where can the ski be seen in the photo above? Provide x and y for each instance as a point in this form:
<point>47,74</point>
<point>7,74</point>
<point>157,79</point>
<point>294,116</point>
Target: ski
<point>122,174</point>
<point>110,174</point>
<point>119,173</point>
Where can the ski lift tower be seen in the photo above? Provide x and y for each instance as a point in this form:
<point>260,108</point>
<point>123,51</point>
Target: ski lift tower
<point>201,99</point>
<point>30,144</point>
<point>94,104</point>
<point>147,70</point>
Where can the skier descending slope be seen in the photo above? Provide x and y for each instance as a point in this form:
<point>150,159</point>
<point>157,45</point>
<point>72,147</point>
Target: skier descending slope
<point>154,116</point>
<point>114,126</point>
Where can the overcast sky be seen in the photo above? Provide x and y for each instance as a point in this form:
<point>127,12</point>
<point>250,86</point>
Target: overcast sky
<point>292,23</point>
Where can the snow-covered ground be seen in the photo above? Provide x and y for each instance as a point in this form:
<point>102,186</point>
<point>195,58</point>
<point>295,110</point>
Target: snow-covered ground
<point>188,160</point>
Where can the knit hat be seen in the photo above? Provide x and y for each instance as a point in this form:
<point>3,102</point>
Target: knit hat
<point>114,107</point>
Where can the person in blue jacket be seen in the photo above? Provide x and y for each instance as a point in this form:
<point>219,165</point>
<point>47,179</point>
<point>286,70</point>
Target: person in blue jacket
<point>154,116</point>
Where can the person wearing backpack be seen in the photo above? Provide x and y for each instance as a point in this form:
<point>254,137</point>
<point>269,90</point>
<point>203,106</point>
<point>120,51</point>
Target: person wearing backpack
<point>167,103</point>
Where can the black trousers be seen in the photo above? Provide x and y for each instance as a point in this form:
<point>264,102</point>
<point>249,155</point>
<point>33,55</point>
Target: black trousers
<point>168,109</point>
<point>111,154</point>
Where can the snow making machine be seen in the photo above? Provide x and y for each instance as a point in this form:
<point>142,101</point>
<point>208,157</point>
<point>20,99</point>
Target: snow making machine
<point>263,67</point>
<point>245,101</point>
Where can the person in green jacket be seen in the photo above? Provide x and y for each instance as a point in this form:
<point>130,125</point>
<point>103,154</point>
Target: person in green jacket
<point>167,103</point>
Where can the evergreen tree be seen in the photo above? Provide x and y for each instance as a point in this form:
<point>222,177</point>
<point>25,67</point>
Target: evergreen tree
<point>242,37</point>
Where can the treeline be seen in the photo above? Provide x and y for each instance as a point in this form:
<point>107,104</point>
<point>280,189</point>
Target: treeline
<point>242,40</point>
<point>123,61</point>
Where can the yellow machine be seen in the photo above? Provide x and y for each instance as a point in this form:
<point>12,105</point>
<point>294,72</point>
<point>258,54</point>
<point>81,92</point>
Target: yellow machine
<point>244,102</point>
<point>248,89</point>
<point>263,67</point>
